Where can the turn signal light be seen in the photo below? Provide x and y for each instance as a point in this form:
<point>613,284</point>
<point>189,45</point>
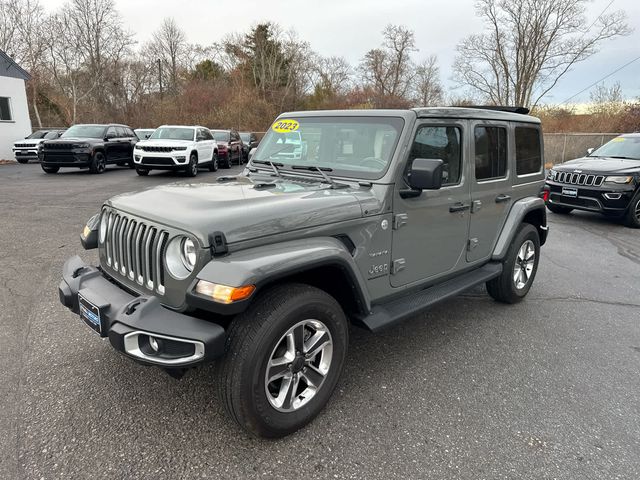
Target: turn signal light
<point>224,293</point>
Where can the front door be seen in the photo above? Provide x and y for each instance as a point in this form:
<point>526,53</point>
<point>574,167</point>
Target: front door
<point>490,187</point>
<point>431,230</point>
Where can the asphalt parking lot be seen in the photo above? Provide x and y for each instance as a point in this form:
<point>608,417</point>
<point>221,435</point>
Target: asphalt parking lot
<point>548,388</point>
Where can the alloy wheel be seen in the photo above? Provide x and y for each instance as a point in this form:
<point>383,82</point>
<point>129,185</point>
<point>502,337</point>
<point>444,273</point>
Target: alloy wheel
<point>524,264</point>
<point>298,365</point>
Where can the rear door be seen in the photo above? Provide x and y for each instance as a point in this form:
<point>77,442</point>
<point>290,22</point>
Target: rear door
<point>430,231</point>
<point>112,147</point>
<point>491,189</point>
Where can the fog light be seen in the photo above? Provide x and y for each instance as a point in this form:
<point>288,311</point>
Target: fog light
<point>154,344</point>
<point>224,293</point>
<point>181,159</point>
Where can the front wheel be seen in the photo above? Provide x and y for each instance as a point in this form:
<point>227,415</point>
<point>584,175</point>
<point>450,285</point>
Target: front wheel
<point>284,358</point>
<point>98,163</point>
<point>518,268</point>
<point>192,168</point>
<point>143,172</point>
<point>632,217</point>
<point>213,165</point>
<point>50,169</point>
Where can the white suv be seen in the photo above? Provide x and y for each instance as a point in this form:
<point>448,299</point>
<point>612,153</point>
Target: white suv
<point>27,149</point>
<point>176,147</point>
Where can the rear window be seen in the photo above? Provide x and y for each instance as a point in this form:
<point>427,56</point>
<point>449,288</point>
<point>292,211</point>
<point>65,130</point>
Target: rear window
<point>528,150</point>
<point>491,152</point>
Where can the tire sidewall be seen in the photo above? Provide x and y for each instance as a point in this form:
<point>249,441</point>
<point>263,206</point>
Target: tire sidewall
<point>527,232</point>
<point>272,422</point>
<point>631,220</point>
<point>192,169</point>
<point>214,163</point>
<point>99,162</point>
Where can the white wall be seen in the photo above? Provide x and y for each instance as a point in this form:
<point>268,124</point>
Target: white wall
<point>20,125</point>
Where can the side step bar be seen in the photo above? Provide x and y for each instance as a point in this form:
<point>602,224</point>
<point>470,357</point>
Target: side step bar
<point>388,314</point>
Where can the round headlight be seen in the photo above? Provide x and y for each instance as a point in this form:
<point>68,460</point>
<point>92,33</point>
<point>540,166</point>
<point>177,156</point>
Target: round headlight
<point>103,228</point>
<point>188,253</point>
<point>180,257</point>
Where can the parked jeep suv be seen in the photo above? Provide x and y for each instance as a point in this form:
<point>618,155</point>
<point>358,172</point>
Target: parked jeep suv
<point>27,149</point>
<point>387,213</point>
<point>176,147</point>
<point>89,146</point>
<point>606,181</point>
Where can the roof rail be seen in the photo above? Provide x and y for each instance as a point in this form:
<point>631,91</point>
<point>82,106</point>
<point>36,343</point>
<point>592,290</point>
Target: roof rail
<point>520,110</point>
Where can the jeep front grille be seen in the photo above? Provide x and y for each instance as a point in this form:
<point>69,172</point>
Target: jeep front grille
<point>135,249</point>
<point>579,179</point>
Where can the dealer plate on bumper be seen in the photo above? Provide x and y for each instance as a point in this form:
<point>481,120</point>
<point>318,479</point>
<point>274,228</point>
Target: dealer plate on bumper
<point>90,314</point>
<point>570,192</point>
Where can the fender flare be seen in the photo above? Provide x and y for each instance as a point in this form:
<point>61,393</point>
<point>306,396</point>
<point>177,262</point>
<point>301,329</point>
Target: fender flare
<point>263,265</point>
<point>517,214</point>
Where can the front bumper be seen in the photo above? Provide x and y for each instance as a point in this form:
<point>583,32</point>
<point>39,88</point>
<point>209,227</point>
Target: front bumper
<point>175,160</point>
<point>606,199</point>
<point>65,159</point>
<point>26,153</point>
<point>130,322</point>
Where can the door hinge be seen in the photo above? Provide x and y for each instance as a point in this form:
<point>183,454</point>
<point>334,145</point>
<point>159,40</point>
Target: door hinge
<point>400,220</point>
<point>398,265</point>
<point>473,243</point>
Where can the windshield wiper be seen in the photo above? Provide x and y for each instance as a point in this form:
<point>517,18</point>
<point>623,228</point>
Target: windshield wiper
<point>320,170</point>
<point>621,157</point>
<point>271,164</point>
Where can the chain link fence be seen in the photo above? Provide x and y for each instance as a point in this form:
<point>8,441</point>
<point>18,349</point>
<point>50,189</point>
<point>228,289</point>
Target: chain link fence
<point>560,147</point>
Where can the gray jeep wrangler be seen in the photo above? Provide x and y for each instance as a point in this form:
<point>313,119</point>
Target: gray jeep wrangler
<point>365,217</point>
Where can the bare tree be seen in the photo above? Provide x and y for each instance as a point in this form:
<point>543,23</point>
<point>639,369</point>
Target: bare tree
<point>427,83</point>
<point>169,45</point>
<point>389,69</point>
<point>8,13</point>
<point>333,74</point>
<point>528,46</point>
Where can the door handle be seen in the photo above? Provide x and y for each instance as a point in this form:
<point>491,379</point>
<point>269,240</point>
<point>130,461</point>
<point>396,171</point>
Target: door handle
<point>502,198</point>
<point>459,207</point>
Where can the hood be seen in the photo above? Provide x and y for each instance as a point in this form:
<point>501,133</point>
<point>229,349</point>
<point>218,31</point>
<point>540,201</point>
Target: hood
<point>73,140</point>
<point>243,208</point>
<point>222,143</point>
<point>164,143</point>
<point>600,165</point>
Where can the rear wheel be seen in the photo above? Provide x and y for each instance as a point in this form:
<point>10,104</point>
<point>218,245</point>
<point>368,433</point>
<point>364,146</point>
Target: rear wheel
<point>98,163</point>
<point>227,162</point>
<point>559,209</point>
<point>192,168</point>
<point>518,268</point>
<point>285,355</point>
<point>632,217</point>
<point>143,172</point>
<point>50,169</point>
<point>22,160</point>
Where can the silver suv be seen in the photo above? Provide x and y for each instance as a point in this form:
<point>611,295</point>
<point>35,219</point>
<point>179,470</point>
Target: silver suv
<point>370,218</point>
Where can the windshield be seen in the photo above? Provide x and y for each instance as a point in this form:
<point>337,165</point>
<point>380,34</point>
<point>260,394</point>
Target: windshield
<point>221,136</point>
<point>628,147</point>
<point>50,135</point>
<point>38,134</point>
<point>172,133</point>
<point>360,147</point>
<point>85,131</point>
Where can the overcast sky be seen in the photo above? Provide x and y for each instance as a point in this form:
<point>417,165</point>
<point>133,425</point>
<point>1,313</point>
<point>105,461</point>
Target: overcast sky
<point>351,27</point>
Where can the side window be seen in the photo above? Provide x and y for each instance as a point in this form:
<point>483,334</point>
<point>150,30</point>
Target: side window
<point>528,151</point>
<point>490,152</point>
<point>207,134</point>
<point>442,143</point>
<point>129,132</point>
<point>120,132</point>
<point>111,133</point>
<point>5,109</point>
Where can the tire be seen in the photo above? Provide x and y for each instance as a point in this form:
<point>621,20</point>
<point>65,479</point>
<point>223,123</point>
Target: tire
<point>227,162</point>
<point>508,288</point>
<point>259,335</point>
<point>50,169</point>
<point>22,160</point>
<point>213,165</point>
<point>559,209</point>
<point>98,163</point>
<point>143,172</point>
<point>632,215</point>
<point>192,167</point>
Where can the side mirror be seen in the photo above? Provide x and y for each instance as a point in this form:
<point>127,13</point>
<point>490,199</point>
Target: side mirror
<point>590,151</point>
<point>425,174</point>
<point>251,152</point>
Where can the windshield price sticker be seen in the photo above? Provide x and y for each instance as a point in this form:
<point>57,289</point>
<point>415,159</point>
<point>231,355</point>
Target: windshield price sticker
<point>284,126</point>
